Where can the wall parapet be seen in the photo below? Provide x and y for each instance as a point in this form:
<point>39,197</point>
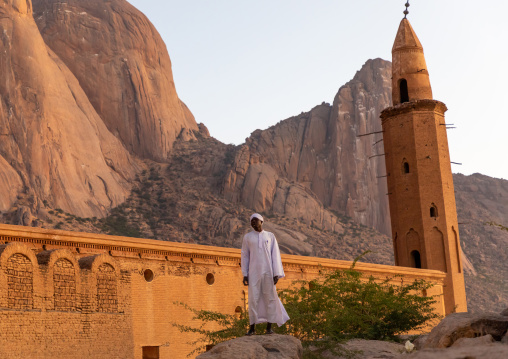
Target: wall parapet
<point>118,246</point>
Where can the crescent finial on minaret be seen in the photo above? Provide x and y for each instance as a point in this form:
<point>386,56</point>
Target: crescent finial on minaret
<point>406,11</point>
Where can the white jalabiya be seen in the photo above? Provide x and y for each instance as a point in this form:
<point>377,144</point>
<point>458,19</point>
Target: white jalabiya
<point>261,262</point>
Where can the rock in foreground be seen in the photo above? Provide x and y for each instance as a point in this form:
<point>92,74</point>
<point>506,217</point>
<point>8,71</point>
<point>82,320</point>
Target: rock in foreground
<point>370,349</point>
<point>257,347</point>
<point>491,351</point>
<point>466,325</point>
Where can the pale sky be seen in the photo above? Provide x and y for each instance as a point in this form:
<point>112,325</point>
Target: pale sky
<point>242,65</point>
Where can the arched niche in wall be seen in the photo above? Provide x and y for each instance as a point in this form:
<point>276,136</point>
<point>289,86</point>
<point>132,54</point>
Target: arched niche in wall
<point>404,91</point>
<point>105,276</point>
<point>63,270</point>
<point>458,250</point>
<point>433,211</point>
<point>19,265</point>
<point>413,244</point>
<point>437,250</point>
<point>107,296</point>
<point>64,285</point>
<point>19,272</point>
<point>416,260</point>
<point>405,166</point>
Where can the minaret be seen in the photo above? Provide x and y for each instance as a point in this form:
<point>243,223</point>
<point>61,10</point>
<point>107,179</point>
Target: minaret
<point>420,183</point>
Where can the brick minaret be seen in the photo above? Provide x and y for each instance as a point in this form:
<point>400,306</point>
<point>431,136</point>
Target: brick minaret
<point>420,183</point>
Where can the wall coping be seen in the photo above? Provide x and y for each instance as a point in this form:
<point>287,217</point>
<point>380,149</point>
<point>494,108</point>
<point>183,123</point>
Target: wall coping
<point>145,248</point>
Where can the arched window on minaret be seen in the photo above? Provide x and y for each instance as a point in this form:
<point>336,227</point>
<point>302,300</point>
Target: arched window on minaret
<point>404,93</point>
<point>416,261</point>
<point>433,211</point>
<point>405,166</point>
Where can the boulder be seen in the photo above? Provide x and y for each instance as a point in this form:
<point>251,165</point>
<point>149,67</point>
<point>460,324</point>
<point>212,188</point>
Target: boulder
<point>466,325</point>
<point>24,216</point>
<point>290,241</point>
<point>491,351</point>
<point>504,313</point>
<point>471,342</point>
<point>504,340</point>
<point>370,349</point>
<point>420,341</point>
<point>257,347</point>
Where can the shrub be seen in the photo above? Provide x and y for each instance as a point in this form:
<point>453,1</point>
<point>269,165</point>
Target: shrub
<point>343,305</point>
<point>336,306</point>
<point>118,225</point>
<point>231,327</point>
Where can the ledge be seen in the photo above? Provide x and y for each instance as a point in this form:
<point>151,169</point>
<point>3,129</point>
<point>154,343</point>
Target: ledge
<point>416,105</point>
<point>190,252</point>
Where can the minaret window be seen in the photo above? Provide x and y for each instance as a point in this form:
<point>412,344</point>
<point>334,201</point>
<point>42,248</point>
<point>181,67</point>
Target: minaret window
<point>433,211</point>
<point>404,93</point>
<point>405,166</point>
<point>416,261</point>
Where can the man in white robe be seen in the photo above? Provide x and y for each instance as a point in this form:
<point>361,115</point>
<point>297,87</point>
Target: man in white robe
<point>261,269</point>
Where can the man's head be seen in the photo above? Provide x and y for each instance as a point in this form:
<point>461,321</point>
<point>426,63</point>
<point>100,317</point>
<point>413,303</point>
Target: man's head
<point>256,221</point>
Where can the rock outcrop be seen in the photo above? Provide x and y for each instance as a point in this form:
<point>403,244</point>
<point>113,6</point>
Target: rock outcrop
<point>124,68</point>
<point>492,351</point>
<point>480,200</point>
<point>465,335</point>
<point>257,347</point>
<point>368,349</point>
<point>473,342</point>
<point>314,164</point>
<point>458,326</point>
<point>54,146</point>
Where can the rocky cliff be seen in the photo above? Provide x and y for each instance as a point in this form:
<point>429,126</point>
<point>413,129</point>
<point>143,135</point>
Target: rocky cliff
<point>54,146</point>
<point>86,91</point>
<point>123,67</point>
<point>316,163</point>
<point>481,200</point>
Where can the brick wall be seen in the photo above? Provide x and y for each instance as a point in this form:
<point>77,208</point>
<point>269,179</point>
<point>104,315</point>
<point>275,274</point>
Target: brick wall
<point>78,295</point>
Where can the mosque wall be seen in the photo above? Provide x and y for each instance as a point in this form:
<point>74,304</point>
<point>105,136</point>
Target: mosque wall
<point>81,295</point>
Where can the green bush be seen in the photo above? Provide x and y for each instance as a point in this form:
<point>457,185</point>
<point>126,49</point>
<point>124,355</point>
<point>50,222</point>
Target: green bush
<point>231,327</point>
<point>118,225</point>
<point>337,306</point>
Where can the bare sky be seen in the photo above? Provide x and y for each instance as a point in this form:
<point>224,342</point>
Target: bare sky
<point>243,65</point>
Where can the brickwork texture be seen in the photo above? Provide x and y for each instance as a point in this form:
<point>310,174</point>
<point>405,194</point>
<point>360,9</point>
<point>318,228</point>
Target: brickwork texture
<point>79,295</point>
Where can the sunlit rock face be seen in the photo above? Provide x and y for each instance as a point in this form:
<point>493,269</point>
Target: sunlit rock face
<point>314,164</point>
<point>124,68</point>
<point>54,146</point>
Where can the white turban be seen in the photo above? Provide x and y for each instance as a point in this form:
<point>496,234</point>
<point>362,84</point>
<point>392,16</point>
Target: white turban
<point>258,216</point>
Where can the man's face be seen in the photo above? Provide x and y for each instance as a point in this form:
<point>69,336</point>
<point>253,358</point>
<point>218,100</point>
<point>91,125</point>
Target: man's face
<point>256,224</point>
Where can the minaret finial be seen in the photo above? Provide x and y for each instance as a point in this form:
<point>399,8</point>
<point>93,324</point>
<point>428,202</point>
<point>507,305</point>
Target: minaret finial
<point>406,11</point>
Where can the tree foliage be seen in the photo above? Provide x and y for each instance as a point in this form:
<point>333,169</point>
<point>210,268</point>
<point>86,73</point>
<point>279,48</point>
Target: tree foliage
<point>231,326</point>
<point>335,307</point>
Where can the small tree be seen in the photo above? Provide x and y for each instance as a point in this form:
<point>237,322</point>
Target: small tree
<point>343,305</point>
<point>231,326</point>
<point>336,306</point>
